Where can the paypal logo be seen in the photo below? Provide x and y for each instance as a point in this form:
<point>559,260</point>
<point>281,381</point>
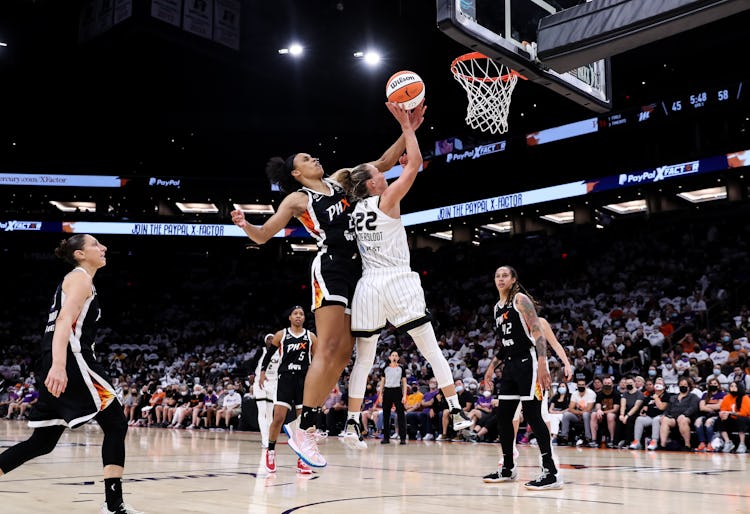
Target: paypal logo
<point>153,181</point>
<point>660,173</point>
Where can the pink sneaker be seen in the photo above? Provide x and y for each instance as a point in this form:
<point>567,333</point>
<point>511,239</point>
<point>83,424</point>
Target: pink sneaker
<point>302,442</point>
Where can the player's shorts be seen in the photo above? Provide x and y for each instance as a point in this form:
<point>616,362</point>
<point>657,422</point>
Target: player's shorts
<point>290,388</point>
<point>334,278</point>
<point>89,391</point>
<point>268,393</point>
<point>392,295</point>
<point>519,380</point>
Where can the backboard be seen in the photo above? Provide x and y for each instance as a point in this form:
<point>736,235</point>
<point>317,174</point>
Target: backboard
<point>506,31</point>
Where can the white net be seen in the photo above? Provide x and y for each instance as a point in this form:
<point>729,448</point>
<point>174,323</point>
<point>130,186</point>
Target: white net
<point>489,87</point>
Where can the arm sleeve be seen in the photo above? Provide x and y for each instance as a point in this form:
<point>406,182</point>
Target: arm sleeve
<point>267,358</point>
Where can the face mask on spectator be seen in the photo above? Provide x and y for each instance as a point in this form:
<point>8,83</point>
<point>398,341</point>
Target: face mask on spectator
<point>737,347</point>
<point>685,359</point>
<point>713,387</point>
<point>459,389</point>
<point>658,387</point>
<point>581,389</point>
<point>719,348</point>
<point>717,372</point>
<point>629,387</point>
<point>726,339</point>
<point>414,389</point>
<point>562,390</point>
<point>652,372</point>
<point>487,394</point>
<point>683,389</point>
<point>668,366</point>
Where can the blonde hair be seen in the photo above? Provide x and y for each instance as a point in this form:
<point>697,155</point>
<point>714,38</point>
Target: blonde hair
<point>354,180</point>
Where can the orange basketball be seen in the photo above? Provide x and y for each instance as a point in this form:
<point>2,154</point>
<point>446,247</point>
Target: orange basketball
<point>405,88</point>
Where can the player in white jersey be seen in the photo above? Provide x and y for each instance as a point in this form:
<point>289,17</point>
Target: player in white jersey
<point>265,395</point>
<point>389,291</point>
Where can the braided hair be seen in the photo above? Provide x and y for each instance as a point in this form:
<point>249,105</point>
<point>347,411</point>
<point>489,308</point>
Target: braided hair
<point>516,288</point>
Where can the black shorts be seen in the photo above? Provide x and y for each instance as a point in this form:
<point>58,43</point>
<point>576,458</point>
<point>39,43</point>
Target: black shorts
<point>334,279</point>
<point>290,389</point>
<point>519,380</point>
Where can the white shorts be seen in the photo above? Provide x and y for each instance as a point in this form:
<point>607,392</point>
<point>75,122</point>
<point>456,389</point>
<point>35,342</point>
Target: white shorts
<point>388,294</point>
<point>545,409</point>
<point>268,392</point>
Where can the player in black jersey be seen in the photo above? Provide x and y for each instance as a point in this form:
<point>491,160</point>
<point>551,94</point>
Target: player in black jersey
<point>324,209</point>
<point>522,348</point>
<point>296,345</point>
<point>76,388</point>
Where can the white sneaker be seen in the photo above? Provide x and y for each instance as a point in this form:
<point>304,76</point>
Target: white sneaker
<point>320,436</point>
<point>728,447</point>
<point>302,442</point>
<point>124,508</point>
<point>353,437</point>
<point>428,437</point>
<point>460,420</point>
<point>741,448</point>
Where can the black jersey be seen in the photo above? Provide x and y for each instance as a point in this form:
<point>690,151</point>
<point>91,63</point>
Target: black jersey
<point>328,219</point>
<point>296,351</point>
<point>513,336</point>
<point>82,338</point>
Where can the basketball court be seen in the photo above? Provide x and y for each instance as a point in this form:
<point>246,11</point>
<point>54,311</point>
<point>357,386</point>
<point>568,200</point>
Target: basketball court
<point>180,471</point>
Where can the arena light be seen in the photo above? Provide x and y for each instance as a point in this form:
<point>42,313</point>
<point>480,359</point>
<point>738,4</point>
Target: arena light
<point>503,227</point>
<point>197,208</point>
<point>305,247</point>
<point>295,49</point>
<point>560,217</point>
<point>447,235</point>
<point>74,206</point>
<point>2,43</point>
<point>627,207</point>
<point>254,208</point>
<point>704,195</point>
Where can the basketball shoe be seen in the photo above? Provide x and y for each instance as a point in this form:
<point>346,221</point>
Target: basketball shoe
<point>302,468</point>
<point>460,420</point>
<point>501,475</point>
<point>353,436</point>
<point>269,462</point>
<point>124,508</point>
<point>302,442</point>
<point>547,480</point>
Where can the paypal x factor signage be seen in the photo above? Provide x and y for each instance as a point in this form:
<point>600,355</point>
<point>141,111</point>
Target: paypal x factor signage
<point>476,152</point>
<point>574,189</point>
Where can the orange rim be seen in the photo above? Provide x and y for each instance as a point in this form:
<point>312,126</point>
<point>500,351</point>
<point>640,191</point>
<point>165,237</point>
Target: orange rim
<point>478,55</point>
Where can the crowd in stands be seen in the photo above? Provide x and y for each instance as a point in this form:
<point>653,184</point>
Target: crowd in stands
<point>654,321</point>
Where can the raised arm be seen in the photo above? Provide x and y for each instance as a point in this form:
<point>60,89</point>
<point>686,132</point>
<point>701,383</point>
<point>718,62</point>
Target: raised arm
<point>390,157</point>
<point>391,197</point>
<point>291,206</point>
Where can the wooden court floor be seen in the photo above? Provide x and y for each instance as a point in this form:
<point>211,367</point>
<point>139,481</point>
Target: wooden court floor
<point>179,471</point>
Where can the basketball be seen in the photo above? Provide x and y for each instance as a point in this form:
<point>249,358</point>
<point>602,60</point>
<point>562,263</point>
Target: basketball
<point>405,88</point>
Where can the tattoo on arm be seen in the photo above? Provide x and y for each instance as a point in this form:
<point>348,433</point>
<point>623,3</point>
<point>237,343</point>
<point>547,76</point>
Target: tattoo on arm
<point>526,307</point>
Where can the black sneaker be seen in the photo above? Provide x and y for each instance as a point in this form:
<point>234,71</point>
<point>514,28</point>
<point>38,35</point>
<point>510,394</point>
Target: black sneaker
<point>501,475</point>
<point>546,480</point>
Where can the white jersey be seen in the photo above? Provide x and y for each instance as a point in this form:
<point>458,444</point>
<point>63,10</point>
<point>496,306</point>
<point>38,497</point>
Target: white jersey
<point>381,239</point>
<point>272,371</point>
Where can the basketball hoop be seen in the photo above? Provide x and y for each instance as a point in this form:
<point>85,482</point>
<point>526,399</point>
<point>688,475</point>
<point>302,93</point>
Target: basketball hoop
<point>489,87</point>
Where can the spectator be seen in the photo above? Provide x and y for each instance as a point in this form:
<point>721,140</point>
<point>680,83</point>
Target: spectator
<point>558,406</point>
<point>738,375</point>
<point>679,413</point>
<point>582,402</point>
<point>734,413</point>
<point>230,408</point>
<point>720,356</point>
<point>650,416</point>
<point>606,409</point>
<point>708,412</point>
<point>630,407</point>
